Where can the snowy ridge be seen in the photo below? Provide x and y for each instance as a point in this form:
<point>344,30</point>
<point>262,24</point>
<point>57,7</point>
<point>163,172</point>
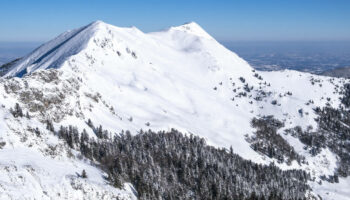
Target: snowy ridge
<point>192,28</point>
<point>49,55</point>
<point>124,79</point>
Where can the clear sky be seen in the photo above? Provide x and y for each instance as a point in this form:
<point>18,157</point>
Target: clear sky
<point>226,20</point>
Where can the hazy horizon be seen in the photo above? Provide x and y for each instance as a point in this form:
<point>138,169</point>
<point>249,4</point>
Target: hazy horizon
<point>225,20</point>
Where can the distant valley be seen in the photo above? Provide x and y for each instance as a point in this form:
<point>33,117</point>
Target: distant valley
<point>314,57</point>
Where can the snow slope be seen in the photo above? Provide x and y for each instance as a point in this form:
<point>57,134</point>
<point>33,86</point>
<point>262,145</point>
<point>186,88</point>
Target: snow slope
<point>124,79</point>
<point>42,167</point>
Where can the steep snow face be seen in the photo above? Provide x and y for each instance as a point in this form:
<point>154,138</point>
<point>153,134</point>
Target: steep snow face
<point>53,53</point>
<point>124,79</point>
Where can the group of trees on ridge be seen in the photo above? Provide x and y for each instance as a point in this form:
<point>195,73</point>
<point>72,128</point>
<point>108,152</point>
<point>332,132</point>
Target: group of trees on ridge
<point>170,165</point>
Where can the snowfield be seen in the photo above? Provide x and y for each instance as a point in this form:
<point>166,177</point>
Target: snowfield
<point>124,79</point>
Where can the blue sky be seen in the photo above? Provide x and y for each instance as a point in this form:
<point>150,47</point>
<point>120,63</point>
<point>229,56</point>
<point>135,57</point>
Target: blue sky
<point>232,20</point>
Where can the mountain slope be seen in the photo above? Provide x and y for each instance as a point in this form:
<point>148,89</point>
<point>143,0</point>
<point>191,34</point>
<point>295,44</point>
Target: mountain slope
<point>124,79</point>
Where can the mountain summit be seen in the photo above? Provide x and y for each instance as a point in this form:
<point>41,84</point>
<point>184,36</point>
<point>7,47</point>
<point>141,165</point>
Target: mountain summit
<point>192,28</point>
<point>52,54</point>
<point>55,52</point>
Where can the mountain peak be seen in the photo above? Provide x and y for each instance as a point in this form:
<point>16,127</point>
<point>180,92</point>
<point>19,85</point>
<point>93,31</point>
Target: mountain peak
<point>97,23</point>
<point>55,52</point>
<point>193,28</point>
<point>191,23</point>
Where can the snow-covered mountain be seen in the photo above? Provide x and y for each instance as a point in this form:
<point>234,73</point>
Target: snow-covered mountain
<point>124,79</point>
